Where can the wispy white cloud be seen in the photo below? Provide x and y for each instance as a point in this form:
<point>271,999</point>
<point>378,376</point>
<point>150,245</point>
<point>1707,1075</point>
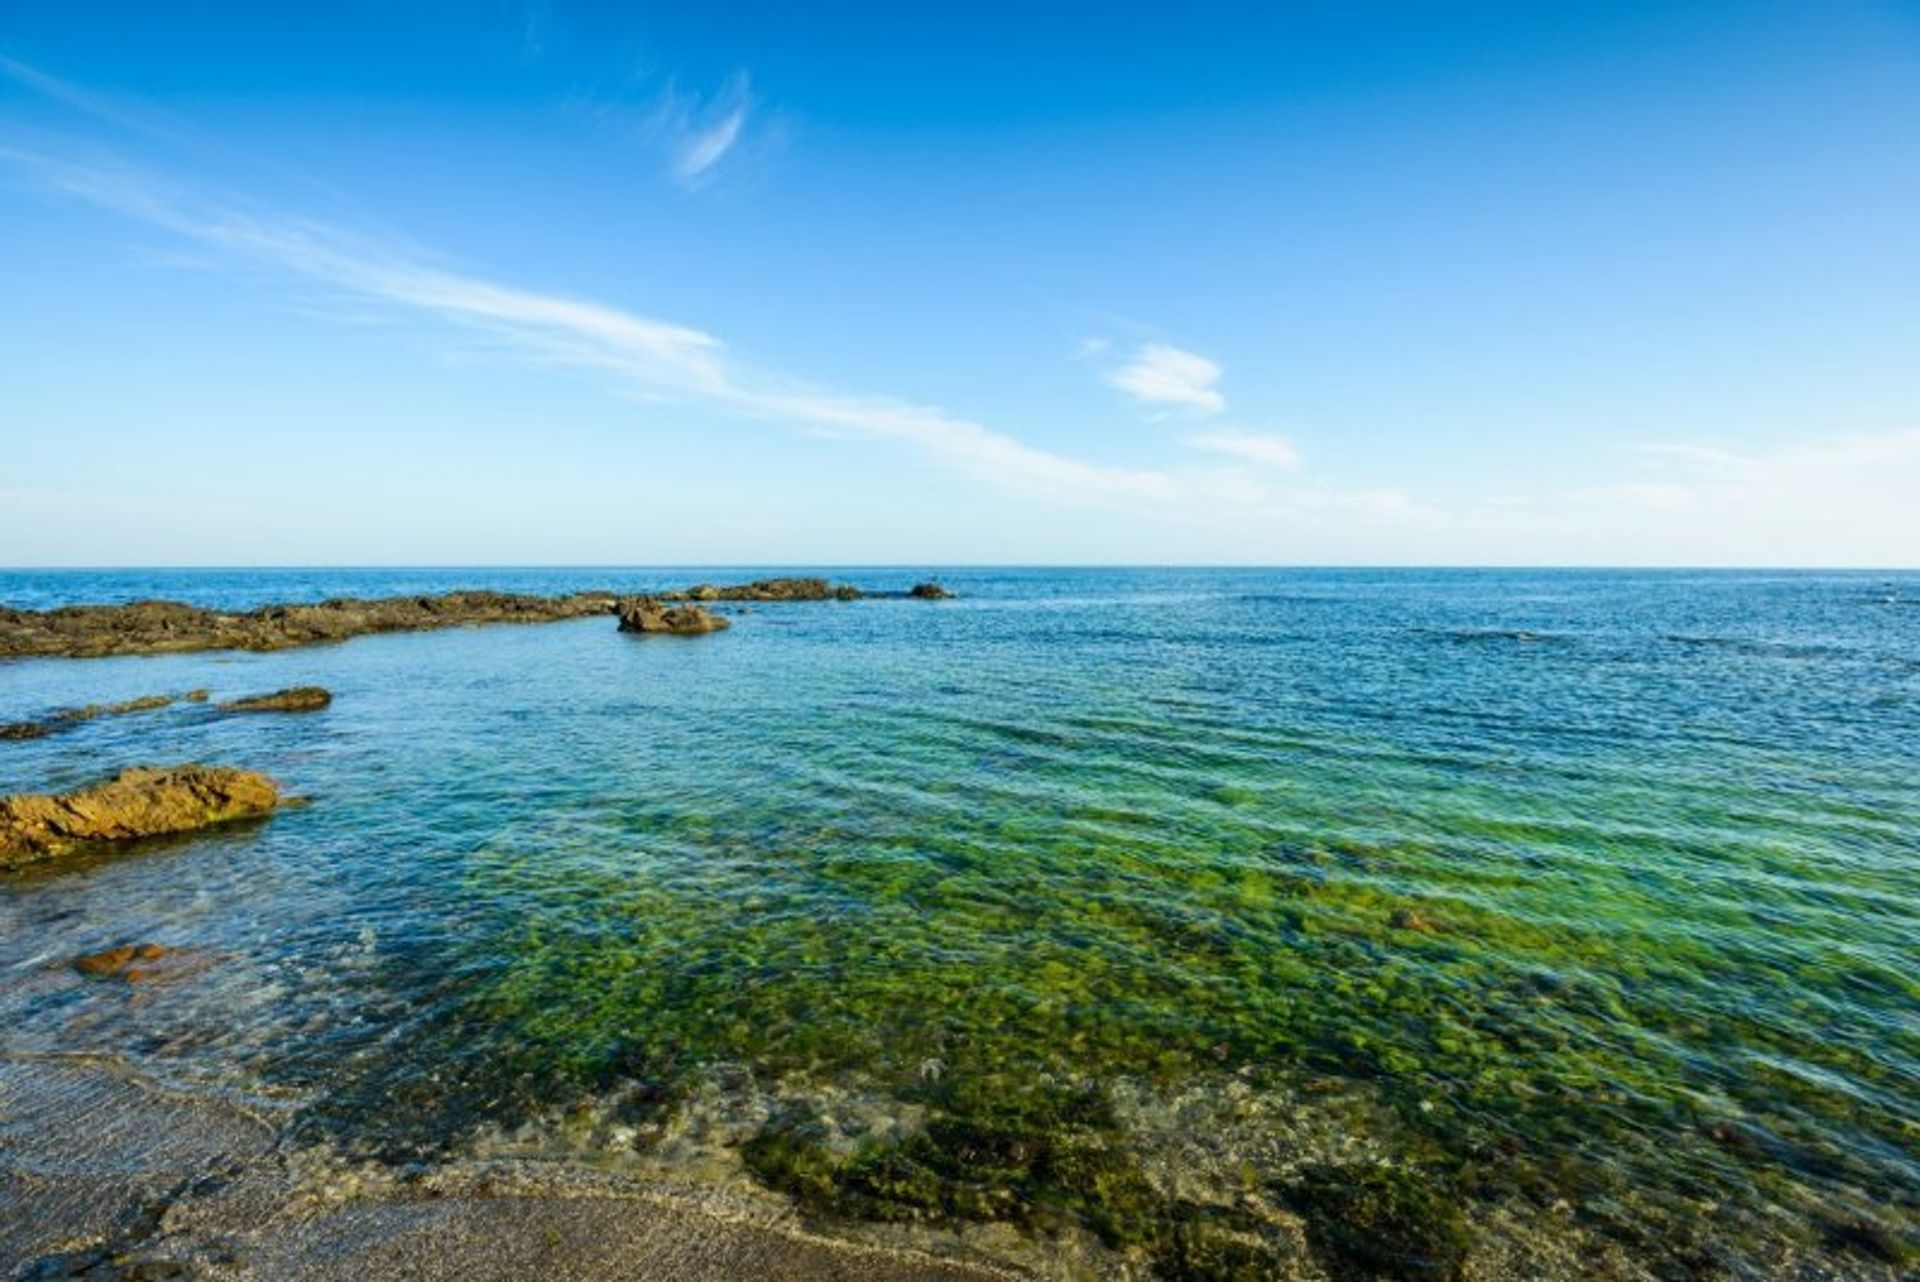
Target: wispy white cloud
<point>705,149</point>
<point>699,132</point>
<point>647,357</point>
<point>142,118</point>
<point>1840,501</point>
<point>1837,499</point>
<point>1264,449</point>
<point>1162,375</point>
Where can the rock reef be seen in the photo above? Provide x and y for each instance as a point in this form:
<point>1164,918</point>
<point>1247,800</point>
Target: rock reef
<point>164,627</point>
<point>770,590</point>
<point>170,627</point>
<point>67,717</point>
<point>293,699</point>
<point>652,615</point>
<point>140,802</point>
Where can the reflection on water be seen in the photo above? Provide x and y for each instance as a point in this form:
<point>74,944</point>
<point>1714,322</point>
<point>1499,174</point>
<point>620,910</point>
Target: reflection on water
<point>1169,911</point>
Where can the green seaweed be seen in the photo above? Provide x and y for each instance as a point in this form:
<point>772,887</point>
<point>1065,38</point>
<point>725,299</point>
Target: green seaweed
<point>1537,1031</point>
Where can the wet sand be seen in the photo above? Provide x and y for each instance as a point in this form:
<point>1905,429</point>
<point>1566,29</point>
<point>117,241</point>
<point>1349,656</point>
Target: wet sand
<point>105,1173</point>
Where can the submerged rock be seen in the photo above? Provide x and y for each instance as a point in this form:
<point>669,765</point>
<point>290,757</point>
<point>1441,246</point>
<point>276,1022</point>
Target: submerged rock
<point>145,703</point>
<point>66,717</point>
<point>159,627</point>
<point>294,699</point>
<point>131,962</point>
<point>140,802</point>
<point>647,614</point>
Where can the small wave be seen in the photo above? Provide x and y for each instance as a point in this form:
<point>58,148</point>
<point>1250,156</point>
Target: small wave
<point>1521,636</point>
<point>1758,649</point>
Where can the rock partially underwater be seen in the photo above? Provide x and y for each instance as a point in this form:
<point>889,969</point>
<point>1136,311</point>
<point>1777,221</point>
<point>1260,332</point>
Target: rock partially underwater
<point>140,963</point>
<point>294,699</point>
<point>139,802</point>
<point>654,616</point>
<point>68,717</point>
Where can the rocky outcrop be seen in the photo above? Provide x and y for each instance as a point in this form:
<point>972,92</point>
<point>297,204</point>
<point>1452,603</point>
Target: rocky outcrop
<point>655,616</point>
<point>166,627</point>
<point>770,590</point>
<point>294,699</point>
<point>162,627</point>
<point>141,802</point>
<point>66,717</point>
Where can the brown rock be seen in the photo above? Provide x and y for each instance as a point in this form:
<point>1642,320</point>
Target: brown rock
<point>119,962</point>
<point>143,963</point>
<point>649,615</point>
<point>146,703</point>
<point>140,802</point>
<point>294,699</point>
<point>929,592</point>
<point>770,590</point>
<point>160,627</point>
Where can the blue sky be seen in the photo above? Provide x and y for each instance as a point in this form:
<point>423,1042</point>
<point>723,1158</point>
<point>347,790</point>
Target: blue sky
<point>539,282</point>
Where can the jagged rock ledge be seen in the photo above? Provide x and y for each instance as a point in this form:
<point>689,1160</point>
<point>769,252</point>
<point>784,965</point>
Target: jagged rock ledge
<point>162,627</point>
<point>144,801</point>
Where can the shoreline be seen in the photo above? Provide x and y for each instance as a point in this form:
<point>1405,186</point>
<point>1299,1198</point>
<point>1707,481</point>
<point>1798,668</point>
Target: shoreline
<point>108,1172</point>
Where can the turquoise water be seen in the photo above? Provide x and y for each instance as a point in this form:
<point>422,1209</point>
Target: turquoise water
<point>1161,908</point>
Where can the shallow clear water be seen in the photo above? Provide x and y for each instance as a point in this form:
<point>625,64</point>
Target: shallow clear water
<point>1549,889</point>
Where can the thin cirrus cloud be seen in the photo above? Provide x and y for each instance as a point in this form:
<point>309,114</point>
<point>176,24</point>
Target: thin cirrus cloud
<point>1163,376</point>
<point>704,150</point>
<point>1262,449</point>
<point>700,133</point>
<point>645,357</point>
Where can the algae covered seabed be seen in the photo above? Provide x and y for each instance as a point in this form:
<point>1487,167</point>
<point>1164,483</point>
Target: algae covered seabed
<point>1122,923</point>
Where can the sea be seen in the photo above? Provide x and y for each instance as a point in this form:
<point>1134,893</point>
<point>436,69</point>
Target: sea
<point>1557,920</point>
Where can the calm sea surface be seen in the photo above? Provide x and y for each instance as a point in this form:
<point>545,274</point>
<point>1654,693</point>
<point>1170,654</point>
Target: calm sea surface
<point>1083,901</point>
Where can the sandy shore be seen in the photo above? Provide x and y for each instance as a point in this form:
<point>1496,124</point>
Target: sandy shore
<point>105,1173</point>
